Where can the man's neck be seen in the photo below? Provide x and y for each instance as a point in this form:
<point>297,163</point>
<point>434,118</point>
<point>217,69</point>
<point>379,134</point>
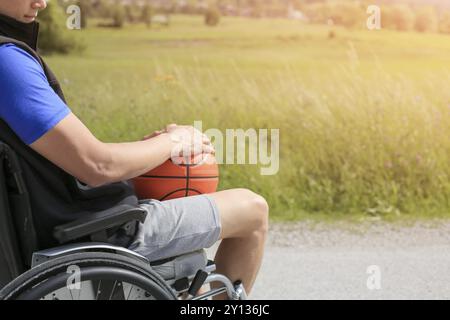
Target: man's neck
<point>25,32</point>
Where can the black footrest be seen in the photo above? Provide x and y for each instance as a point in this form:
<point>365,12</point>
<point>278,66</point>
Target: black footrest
<point>198,281</point>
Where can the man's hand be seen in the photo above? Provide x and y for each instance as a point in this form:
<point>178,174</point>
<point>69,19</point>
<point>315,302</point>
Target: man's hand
<point>188,141</point>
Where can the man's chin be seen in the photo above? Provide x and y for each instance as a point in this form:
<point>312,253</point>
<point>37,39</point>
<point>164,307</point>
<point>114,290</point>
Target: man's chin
<point>27,19</point>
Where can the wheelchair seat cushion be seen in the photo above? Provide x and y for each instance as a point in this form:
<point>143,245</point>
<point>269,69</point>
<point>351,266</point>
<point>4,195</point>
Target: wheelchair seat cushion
<point>181,266</point>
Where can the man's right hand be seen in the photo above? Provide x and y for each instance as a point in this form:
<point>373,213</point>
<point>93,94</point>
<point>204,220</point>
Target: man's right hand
<point>188,141</point>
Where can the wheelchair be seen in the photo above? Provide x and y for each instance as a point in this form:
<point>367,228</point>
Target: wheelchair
<point>96,269</point>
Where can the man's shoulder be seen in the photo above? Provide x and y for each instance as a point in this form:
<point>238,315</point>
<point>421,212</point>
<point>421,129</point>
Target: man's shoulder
<point>12,55</point>
<point>17,64</point>
<point>8,50</point>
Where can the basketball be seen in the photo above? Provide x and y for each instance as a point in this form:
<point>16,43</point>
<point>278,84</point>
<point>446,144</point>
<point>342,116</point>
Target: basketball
<point>179,178</point>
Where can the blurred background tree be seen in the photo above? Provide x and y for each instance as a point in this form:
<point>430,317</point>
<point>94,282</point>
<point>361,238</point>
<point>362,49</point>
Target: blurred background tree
<point>405,15</point>
<point>118,16</point>
<point>398,17</point>
<point>347,14</point>
<point>444,22</point>
<point>426,20</point>
<point>212,16</point>
<point>147,13</point>
<point>54,36</point>
<point>85,8</point>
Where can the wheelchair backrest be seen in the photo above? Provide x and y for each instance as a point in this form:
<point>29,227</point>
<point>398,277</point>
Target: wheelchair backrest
<point>14,219</point>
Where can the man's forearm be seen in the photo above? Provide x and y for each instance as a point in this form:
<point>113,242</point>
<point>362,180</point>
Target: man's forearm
<point>131,159</point>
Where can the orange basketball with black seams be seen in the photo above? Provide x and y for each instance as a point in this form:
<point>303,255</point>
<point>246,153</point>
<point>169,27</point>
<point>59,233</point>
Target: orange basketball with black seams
<point>179,178</point>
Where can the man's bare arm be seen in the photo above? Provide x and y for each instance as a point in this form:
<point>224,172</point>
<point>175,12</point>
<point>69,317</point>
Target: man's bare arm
<point>71,146</point>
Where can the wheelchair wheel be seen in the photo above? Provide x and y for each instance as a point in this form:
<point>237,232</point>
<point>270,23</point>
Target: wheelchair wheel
<point>89,276</point>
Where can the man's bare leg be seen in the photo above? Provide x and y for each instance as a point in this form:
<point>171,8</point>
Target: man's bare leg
<point>244,218</point>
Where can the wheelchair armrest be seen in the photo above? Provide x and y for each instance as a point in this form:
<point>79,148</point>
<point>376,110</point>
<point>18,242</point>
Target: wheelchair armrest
<point>98,222</point>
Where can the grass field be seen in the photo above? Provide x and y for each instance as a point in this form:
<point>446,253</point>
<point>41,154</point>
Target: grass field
<point>364,117</point>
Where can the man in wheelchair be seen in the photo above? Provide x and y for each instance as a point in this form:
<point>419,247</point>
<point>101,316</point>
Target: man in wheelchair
<point>71,226</point>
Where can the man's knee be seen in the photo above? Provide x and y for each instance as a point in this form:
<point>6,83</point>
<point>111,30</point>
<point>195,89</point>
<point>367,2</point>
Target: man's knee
<point>248,213</point>
<point>259,209</point>
<point>263,211</point>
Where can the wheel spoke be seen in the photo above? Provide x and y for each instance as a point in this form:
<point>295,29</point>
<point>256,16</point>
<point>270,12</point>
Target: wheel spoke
<point>98,289</point>
<point>131,289</point>
<point>112,290</point>
<point>105,277</point>
<point>70,291</point>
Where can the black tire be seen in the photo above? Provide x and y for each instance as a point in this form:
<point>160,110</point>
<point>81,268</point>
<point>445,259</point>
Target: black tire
<point>52,275</point>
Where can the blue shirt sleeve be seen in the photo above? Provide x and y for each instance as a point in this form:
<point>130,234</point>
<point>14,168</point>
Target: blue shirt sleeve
<point>27,102</point>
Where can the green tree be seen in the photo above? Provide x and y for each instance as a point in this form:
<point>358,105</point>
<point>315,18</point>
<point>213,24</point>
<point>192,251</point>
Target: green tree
<point>147,13</point>
<point>130,13</point>
<point>387,21</point>
<point>102,9</point>
<point>426,20</point>
<point>84,11</point>
<point>212,16</point>
<point>444,22</point>
<point>347,14</point>
<point>319,12</point>
<point>118,16</point>
<point>54,34</point>
<point>402,17</point>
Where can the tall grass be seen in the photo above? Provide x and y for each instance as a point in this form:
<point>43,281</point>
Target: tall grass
<point>364,123</point>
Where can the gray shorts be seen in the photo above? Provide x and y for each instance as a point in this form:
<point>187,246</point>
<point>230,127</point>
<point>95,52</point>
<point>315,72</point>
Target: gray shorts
<point>177,226</point>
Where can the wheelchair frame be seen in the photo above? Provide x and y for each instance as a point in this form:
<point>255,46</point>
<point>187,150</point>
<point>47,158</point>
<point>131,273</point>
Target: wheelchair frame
<point>95,227</point>
<point>234,291</point>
